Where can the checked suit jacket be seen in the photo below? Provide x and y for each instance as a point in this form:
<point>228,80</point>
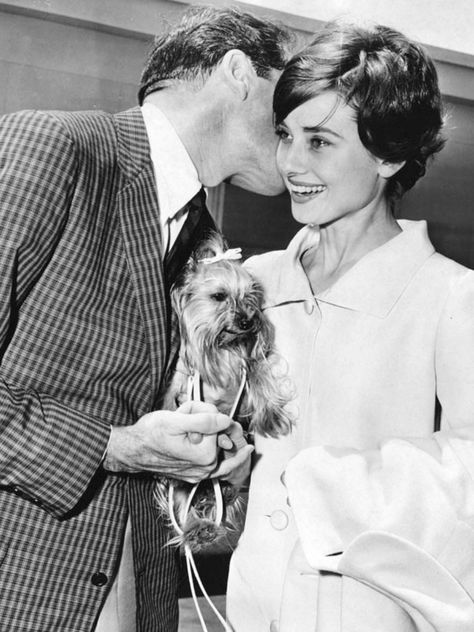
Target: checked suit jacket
<point>83,346</point>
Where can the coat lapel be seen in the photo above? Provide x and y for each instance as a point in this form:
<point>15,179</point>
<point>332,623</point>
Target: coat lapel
<point>139,218</point>
<point>372,286</point>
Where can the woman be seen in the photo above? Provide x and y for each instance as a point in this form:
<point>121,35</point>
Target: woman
<point>350,529</point>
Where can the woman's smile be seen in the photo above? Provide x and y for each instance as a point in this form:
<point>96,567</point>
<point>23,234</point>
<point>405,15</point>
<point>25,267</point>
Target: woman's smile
<point>302,192</point>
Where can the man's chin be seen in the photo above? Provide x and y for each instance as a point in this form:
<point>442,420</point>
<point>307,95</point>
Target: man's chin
<point>270,189</point>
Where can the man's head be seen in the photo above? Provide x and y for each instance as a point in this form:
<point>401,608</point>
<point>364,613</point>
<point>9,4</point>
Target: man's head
<point>191,50</point>
<point>217,69</point>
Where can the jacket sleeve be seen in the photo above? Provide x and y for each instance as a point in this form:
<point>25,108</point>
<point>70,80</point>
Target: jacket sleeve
<point>400,518</point>
<point>48,452</point>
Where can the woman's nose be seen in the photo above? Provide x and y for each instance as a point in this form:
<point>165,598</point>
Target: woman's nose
<point>290,158</point>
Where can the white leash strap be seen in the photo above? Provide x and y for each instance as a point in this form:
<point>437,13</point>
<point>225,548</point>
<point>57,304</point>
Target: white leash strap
<point>194,393</point>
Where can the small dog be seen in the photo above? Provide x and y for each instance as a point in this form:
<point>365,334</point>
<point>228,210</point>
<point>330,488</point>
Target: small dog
<point>227,353</point>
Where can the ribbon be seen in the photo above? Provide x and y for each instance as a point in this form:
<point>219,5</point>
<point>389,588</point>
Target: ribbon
<point>233,254</point>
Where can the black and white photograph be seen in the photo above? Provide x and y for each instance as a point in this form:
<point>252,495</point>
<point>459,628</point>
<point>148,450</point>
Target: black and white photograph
<point>236,316</point>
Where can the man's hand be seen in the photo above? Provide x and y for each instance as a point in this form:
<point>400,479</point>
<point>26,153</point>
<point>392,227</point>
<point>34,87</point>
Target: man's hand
<point>236,456</point>
<point>182,444</point>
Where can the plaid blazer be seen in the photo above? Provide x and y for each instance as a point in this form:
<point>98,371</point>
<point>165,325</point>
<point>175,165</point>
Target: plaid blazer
<point>83,345</point>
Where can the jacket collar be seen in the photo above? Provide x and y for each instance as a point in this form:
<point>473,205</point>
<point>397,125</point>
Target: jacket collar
<point>133,151</point>
<point>373,285</point>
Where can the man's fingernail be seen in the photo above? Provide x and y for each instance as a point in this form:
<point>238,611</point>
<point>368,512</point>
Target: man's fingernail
<point>195,437</point>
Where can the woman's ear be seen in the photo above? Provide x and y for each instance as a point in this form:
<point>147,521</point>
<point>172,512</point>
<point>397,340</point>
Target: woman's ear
<point>388,169</point>
<point>238,71</point>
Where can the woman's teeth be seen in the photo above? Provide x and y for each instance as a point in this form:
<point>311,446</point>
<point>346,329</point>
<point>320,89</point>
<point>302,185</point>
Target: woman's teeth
<point>305,190</point>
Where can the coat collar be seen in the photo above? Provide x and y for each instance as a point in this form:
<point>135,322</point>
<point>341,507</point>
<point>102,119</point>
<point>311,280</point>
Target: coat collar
<point>373,285</point>
<point>133,153</point>
<point>138,210</point>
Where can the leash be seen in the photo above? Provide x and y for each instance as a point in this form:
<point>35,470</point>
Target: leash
<point>194,393</point>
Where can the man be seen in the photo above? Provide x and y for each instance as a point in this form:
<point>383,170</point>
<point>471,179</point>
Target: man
<point>90,205</point>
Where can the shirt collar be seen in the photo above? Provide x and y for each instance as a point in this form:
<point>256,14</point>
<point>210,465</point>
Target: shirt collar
<point>373,285</point>
<point>176,176</point>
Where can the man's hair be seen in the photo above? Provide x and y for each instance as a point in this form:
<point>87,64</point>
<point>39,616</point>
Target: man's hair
<point>195,46</point>
<point>390,82</point>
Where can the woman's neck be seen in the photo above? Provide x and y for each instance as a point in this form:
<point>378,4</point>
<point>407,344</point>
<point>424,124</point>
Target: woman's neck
<point>343,243</point>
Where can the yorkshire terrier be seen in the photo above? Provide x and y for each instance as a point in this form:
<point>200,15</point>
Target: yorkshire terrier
<point>227,355</point>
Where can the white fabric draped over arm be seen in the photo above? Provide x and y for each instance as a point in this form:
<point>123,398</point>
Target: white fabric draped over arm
<point>402,518</point>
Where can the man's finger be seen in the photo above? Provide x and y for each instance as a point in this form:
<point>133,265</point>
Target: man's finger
<point>227,466</point>
<point>224,441</point>
<point>192,406</point>
<point>203,423</point>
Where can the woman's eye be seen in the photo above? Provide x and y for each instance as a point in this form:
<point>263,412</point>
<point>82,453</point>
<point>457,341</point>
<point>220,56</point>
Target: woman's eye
<point>317,143</point>
<point>218,296</point>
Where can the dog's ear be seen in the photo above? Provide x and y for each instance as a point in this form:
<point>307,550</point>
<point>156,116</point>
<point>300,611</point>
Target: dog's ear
<point>268,392</point>
<point>213,244</point>
<point>268,386</point>
<point>177,298</point>
<point>264,340</point>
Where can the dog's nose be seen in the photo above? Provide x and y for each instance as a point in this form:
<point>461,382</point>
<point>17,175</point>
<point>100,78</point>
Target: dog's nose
<point>245,323</point>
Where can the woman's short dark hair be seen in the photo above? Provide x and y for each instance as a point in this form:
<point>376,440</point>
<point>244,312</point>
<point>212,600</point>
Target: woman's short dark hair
<point>390,82</point>
<point>195,46</point>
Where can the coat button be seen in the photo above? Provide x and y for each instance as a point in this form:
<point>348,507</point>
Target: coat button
<point>99,579</point>
<point>309,306</point>
<point>279,520</point>
<point>274,626</point>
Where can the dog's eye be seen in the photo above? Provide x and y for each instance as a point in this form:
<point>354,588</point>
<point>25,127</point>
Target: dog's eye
<point>219,296</point>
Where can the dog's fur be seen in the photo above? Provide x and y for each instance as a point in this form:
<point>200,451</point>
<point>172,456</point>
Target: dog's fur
<point>224,331</point>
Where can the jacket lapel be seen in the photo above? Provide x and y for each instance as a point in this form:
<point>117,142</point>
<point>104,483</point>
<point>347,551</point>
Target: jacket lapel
<point>139,218</point>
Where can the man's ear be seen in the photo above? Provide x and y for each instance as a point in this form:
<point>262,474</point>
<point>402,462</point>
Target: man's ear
<point>238,72</point>
<point>388,169</point>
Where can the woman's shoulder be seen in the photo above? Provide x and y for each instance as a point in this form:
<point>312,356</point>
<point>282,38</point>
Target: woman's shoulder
<point>449,269</point>
<point>265,266</point>
<point>453,281</point>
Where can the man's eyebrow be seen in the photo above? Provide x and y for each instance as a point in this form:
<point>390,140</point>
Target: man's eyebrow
<point>315,129</point>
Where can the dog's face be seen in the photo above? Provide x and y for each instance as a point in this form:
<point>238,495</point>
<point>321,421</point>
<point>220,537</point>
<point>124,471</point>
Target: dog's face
<point>219,307</point>
<point>224,302</point>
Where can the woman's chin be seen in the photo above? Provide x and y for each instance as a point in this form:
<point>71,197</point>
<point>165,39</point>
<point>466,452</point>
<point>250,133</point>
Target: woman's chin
<point>303,216</point>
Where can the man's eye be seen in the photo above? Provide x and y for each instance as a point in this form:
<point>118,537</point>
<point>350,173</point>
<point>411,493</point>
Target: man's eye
<point>218,296</point>
<point>282,133</point>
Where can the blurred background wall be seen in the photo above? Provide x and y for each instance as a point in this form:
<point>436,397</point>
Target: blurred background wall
<point>84,54</point>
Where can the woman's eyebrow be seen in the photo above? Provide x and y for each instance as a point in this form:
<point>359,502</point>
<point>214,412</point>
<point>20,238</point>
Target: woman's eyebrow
<point>315,129</point>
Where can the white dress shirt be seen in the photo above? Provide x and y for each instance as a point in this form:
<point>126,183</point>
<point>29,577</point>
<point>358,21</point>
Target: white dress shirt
<point>176,176</point>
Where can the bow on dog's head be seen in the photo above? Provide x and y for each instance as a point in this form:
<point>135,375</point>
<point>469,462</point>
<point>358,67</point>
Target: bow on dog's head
<point>224,330</point>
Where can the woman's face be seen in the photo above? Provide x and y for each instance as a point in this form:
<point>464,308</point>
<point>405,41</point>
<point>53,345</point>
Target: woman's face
<point>329,173</point>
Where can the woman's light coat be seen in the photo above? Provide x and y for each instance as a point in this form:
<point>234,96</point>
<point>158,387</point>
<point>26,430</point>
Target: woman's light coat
<point>379,534</point>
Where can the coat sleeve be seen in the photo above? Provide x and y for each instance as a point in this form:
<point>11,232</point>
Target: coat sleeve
<point>400,518</point>
<point>48,452</point>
